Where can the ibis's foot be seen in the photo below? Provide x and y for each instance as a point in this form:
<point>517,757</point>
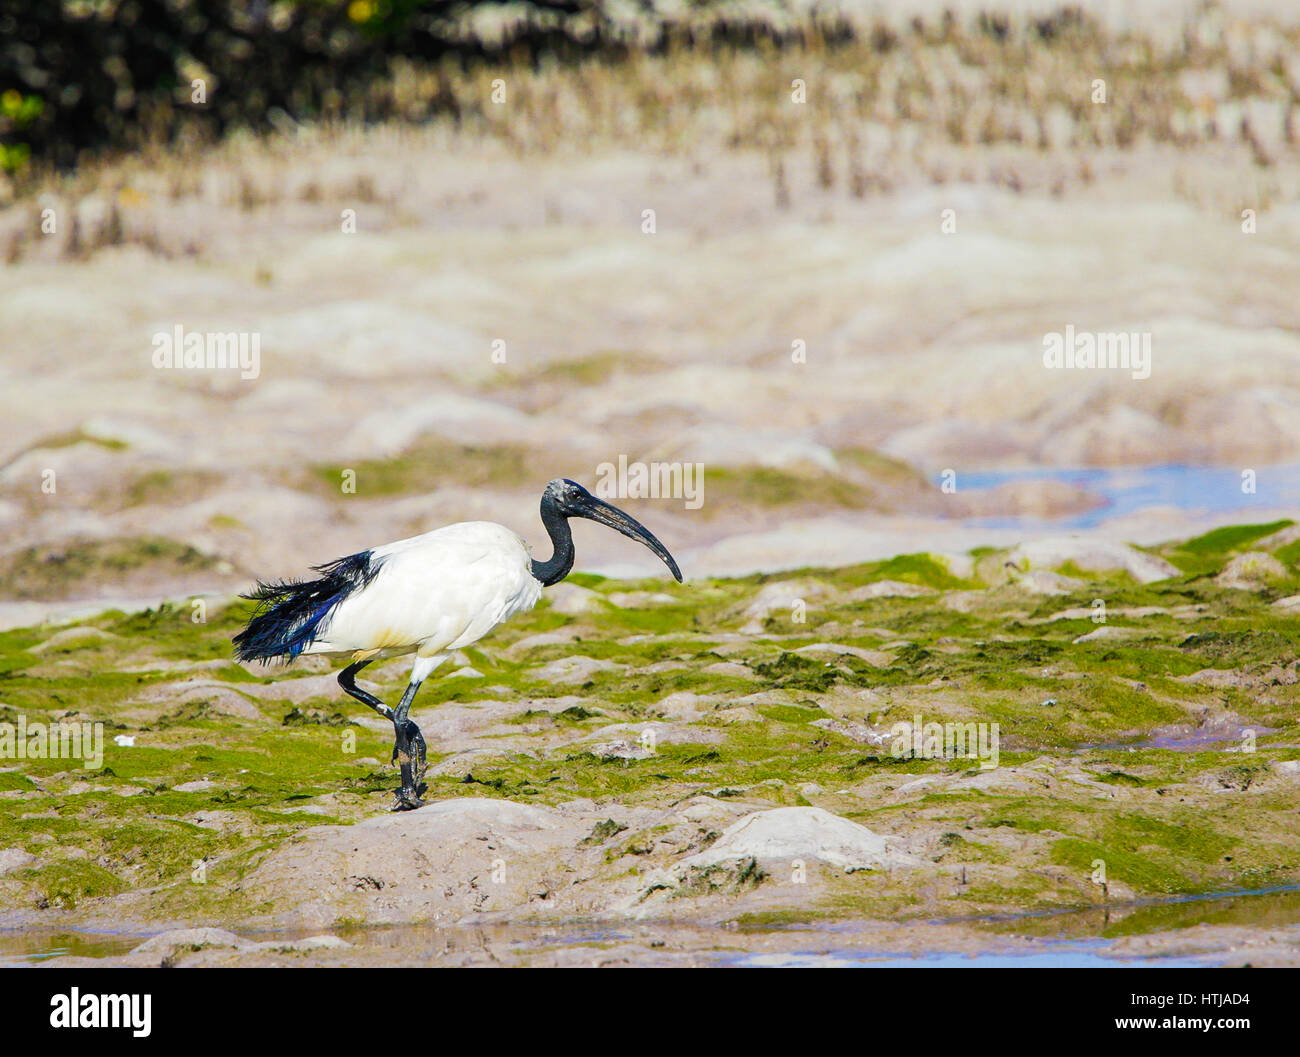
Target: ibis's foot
<point>409,754</point>
<point>408,799</point>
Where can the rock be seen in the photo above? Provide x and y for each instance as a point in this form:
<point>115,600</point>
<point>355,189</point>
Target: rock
<point>1128,612</point>
<point>1289,604</point>
<point>639,599</point>
<point>1221,678</point>
<point>12,859</point>
<point>73,639</point>
<point>858,732</point>
<point>964,601</point>
<point>1280,675</point>
<point>800,833</point>
<point>220,697</point>
<point>914,786</point>
<point>740,671</point>
<point>889,589</point>
<point>576,669</point>
<point>1044,582</point>
<point>1011,779</point>
<point>685,705</point>
<point>1100,555</point>
<point>782,595</point>
<point>663,666</point>
<point>281,687</point>
<point>560,637</point>
<point>394,430</point>
<point>436,863</point>
<point>200,786</point>
<point>168,944</point>
<point>658,734</point>
<point>1251,572</point>
<point>621,749</point>
<point>876,658</point>
<point>1101,790</point>
<point>1108,632</point>
<point>573,600</point>
<point>706,809</point>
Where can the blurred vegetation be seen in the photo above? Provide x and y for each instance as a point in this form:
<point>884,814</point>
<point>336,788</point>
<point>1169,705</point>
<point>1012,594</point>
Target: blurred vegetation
<point>162,79</point>
<point>84,74</point>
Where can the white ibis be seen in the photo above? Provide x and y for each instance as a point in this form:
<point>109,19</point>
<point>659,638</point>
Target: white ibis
<point>427,595</point>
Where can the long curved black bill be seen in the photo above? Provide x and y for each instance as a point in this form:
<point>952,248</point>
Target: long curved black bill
<point>598,510</point>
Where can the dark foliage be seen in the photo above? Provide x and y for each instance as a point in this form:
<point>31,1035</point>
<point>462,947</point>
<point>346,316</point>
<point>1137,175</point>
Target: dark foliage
<point>121,72</point>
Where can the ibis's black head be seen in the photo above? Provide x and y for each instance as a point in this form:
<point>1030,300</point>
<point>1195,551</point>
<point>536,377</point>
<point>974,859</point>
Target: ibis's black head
<point>564,499</point>
<point>565,496</point>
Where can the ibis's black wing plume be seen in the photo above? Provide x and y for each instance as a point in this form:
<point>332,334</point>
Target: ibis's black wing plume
<point>290,613</point>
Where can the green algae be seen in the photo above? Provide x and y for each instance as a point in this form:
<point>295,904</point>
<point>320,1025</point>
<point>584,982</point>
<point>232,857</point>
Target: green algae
<point>431,459</point>
<point>56,570</point>
<point>253,780</point>
<point>721,877</point>
<point>766,487</point>
<point>1205,553</point>
<point>167,486</point>
<point>63,885</point>
<point>602,832</point>
<point>73,438</point>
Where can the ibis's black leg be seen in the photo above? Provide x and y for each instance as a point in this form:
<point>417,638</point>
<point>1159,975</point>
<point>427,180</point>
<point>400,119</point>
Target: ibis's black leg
<point>348,680</point>
<point>408,744</point>
<point>409,753</point>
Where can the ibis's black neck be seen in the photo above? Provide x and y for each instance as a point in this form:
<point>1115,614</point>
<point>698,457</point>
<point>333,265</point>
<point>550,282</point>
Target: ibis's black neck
<point>559,564</point>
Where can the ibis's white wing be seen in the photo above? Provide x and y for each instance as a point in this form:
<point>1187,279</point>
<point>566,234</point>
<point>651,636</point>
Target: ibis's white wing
<point>439,591</point>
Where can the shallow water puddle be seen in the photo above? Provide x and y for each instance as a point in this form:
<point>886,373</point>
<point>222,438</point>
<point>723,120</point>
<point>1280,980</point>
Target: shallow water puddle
<point>1185,738</point>
<point>1060,938</point>
<point>27,946</point>
<point>1072,956</point>
<point>1131,489</point>
<point>1037,938</point>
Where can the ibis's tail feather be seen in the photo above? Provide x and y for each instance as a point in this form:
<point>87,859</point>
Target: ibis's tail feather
<point>290,613</point>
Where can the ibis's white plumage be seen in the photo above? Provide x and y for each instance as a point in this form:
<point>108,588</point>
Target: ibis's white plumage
<point>427,595</point>
<point>433,593</point>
